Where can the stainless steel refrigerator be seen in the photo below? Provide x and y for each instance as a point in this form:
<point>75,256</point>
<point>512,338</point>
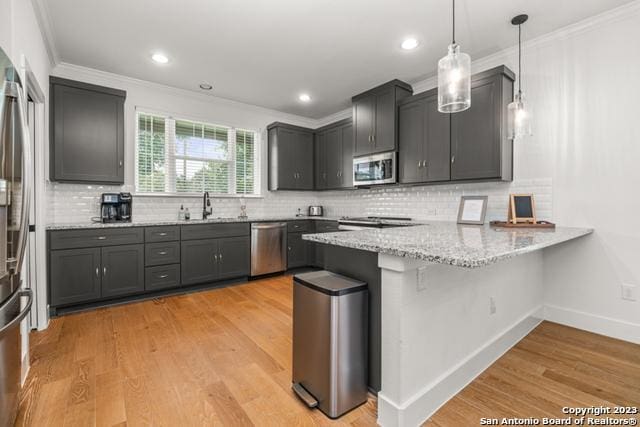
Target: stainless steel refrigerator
<point>15,190</point>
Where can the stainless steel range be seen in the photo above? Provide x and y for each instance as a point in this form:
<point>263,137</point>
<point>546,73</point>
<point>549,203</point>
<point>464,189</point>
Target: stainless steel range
<point>363,223</point>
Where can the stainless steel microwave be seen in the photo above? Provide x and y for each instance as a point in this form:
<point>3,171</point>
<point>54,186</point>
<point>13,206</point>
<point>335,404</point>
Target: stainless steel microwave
<point>375,169</point>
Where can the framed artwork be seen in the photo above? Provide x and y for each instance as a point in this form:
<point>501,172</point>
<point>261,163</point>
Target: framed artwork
<point>472,209</point>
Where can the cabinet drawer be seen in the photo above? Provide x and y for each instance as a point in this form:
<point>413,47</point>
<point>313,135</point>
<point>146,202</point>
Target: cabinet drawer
<point>161,253</point>
<point>213,231</point>
<point>165,276</point>
<point>70,239</point>
<point>162,234</point>
<point>298,226</point>
<point>326,226</point>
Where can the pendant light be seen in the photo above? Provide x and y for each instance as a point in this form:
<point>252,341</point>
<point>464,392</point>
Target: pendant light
<point>454,77</point>
<point>519,119</point>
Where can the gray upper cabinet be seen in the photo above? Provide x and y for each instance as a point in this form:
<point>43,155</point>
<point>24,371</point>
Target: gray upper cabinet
<point>424,140</point>
<point>86,132</point>
<point>291,157</point>
<point>334,156</point>
<point>480,147</point>
<point>375,118</point>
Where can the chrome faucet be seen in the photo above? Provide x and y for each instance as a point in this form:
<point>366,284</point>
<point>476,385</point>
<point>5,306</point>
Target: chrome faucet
<point>206,205</point>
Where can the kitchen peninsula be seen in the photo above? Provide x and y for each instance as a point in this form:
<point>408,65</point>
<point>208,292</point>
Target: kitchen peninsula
<point>453,298</point>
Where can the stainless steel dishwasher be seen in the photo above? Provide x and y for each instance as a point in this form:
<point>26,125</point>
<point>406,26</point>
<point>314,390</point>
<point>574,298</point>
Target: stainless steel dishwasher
<point>268,247</point>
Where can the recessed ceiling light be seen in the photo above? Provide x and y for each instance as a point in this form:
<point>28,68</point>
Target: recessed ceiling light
<point>160,58</point>
<point>304,97</point>
<point>410,44</point>
<point>205,86</point>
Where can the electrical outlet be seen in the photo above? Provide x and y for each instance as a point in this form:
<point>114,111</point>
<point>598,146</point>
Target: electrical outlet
<point>629,292</point>
<point>492,305</point>
<point>422,278</point>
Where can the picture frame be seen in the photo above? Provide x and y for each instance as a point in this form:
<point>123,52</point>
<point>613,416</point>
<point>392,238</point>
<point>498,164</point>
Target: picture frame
<point>522,209</point>
<point>472,210</point>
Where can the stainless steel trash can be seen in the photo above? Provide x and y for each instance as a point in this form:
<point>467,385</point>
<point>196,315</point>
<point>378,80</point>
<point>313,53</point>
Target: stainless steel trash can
<point>330,341</point>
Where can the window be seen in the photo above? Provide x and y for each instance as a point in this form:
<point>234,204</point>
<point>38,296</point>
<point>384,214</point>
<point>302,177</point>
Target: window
<point>175,156</point>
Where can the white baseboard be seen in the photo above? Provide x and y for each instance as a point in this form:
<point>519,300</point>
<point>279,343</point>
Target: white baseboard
<point>426,402</point>
<point>607,326</point>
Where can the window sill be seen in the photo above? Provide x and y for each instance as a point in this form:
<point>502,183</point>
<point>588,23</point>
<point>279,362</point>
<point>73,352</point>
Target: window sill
<point>199,195</point>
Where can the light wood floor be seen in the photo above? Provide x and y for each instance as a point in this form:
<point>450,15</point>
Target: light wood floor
<point>223,357</point>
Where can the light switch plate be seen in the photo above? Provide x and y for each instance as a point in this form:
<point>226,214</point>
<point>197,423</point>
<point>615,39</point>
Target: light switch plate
<point>629,292</point>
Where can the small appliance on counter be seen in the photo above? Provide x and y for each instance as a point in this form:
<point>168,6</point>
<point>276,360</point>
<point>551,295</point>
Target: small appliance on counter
<point>116,207</point>
<point>316,211</point>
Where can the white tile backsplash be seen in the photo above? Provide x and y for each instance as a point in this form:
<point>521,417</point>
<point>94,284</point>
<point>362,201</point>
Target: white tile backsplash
<point>69,203</point>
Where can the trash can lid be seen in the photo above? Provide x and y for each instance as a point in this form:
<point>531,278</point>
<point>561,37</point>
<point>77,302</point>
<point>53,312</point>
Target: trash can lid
<point>329,283</point>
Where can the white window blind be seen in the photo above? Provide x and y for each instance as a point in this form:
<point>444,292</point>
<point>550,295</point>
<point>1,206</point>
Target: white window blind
<point>182,156</point>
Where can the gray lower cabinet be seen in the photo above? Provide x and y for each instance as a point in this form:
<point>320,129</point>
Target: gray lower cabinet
<point>480,147</point>
<point>198,261</point>
<point>162,277</point>
<point>74,276</point>
<point>122,270</point>
<point>424,140</point>
<point>209,260</point>
<point>234,257</point>
<point>86,132</point>
<point>298,251</point>
<point>290,157</point>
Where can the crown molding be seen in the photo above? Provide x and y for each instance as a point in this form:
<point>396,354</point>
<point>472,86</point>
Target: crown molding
<point>347,113</point>
<point>589,24</point>
<point>66,70</point>
<point>41,11</point>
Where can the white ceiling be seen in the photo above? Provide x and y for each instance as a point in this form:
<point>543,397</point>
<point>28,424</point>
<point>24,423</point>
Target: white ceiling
<point>268,52</point>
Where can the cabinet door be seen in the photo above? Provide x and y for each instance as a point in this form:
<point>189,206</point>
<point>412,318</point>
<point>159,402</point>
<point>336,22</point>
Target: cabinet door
<point>476,134</point>
<point>122,270</point>
<point>320,171</point>
<point>384,136</point>
<point>234,257</point>
<point>87,136</point>
<point>298,251</point>
<point>437,143</point>
<point>304,161</point>
<point>411,124</point>
<point>364,111</point>
<point>287,168</point>
<point>199,261</point>
<point>333,155</point>
<point>347,157</point>
<point>74,276</point>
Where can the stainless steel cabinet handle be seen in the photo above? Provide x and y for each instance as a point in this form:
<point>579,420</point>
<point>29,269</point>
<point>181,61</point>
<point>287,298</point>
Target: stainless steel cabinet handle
<point>424,163</point>
<point>289,248</point>
<point>215,257</point>
<point>162,253</point>
<point>220,257</point>
<point>163,276</point>
<point>97,271</point>
<point>162,234</point>
<point>101,237</point>
<point>120,163</point>
<point>104,271</point>
<point>453,159</point>
<point>419,164</point>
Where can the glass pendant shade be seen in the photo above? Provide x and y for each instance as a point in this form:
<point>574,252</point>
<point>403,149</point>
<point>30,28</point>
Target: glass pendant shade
<point>454,81</point>
<point>518,118</point>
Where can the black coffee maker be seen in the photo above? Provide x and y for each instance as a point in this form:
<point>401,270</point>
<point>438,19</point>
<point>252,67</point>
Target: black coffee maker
<point>116,207</point>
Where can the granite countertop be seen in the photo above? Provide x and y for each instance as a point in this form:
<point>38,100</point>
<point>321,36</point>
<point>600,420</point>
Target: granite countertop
<point>468,246</point>
<point>150,223</point>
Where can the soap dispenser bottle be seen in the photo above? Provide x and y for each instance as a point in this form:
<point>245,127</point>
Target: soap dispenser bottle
<point>181,213</point>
